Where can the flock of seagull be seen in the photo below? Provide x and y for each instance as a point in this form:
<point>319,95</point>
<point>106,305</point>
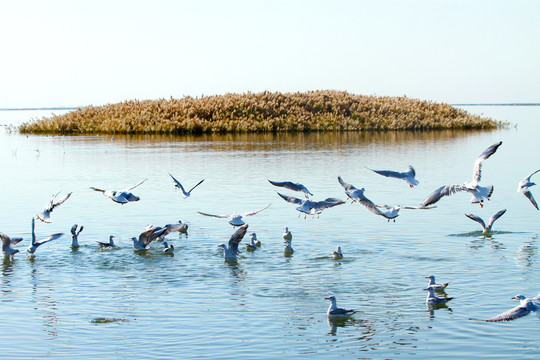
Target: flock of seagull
<point>307,207</point>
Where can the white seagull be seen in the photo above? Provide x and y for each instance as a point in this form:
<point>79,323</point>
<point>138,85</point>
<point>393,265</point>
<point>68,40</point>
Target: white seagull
<point>525,307</point>
<point>287,235</point>
<point>434,285</point>
<point>236,219</point>
<point>335,311</point>
<point>408,175</point>
<point>7,243</point>
<point>524,185</point>
<point>479,193</point>
<point>146,237</point>
<point>109,244</point>
<point>337,254</point>
<point>120,196</point>
<point>45,215</point>
<point>255,240</point>
<point>37,243</point>
<point>309,207</point>
<point>231,251</point>
<point>432,299</point>
<point>75,235</point>
<point>178,185</point>
<point>486,228</point>
<point>169,228</point>
<point>251,246</point>
<point>292,186</point>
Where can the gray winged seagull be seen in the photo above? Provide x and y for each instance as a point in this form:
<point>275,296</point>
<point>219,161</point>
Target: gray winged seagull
<point>107,245</point>
<point>335,311</point>
<point>75,235</point>
<point>45,214</point>
<point>310,207</point>
<point>292,186</point>
<point>524,186</point>
<point>525,307</point>
<point>146,237</point>
<point>7,243</point>
<point>432,299</point>
<point>231,250</point>
<point>179,185</point>
<point>236,219</point>
<point>486,229</point>
<point>37,243</point>
<point>120,196</point>
<point>408,175</point>
<point>434,285</point>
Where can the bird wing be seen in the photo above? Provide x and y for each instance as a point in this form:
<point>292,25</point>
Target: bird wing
<point>6,241</point>
<point>477,169</point>
<point>528,178</point>
<point>529,196</point>
<point>495,217</point>
<point>417,207</point>
<point>237,236</point>
<point>445,190</point>
<point>291,199</point>
<point>512,314</point>
<point>368,204</point>
<point>133,187</point>
<point>199,183</point>
<point>286,184</point>
<point>256,211</point>
<point>478,219</point>
<point>96,189</point>
<point>218,216</point>
<point>177,184</point>
<point>60,201</point>
<point>74,229</point>
<point>48,238</point>
<point>346,186</point>
<point>390,173</point>
<point>328,203</point>
<point>119,197</point>
<point>341,311</point>
<point>150,235</point>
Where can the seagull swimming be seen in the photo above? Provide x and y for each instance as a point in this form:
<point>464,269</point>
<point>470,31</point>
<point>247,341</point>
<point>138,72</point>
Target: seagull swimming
<point>408,175</point>
<point>231,251</point>
<point>236,219</point>
<point>292,186</point>
<point>431,299</point>
<point>109,244</point>
<point>309,207</point>
<point>254,239</point>
<point>252,246</point>
<point>486,228</point>
<point>146,237</point>
<point>434,285</point>
<point>524,185</point>
<point>120,196</point>
<point>7,243</point>
<point>178,185</point>
<point>335,311</point>
<point>75,235</point>
<point>337,254</point>
<point>287,235</point>
<point>37,243</point>
<point>525,307</point>
<point>287,239</point>
<point>479,193</point>
<point>45,215</point>
<point>168,249</point>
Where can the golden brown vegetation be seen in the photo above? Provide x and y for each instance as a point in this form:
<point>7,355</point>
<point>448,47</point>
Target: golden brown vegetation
<point>261,112</point>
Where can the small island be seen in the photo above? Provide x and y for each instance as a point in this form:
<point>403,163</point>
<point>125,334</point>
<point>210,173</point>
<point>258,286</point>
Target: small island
<point>265,112</point>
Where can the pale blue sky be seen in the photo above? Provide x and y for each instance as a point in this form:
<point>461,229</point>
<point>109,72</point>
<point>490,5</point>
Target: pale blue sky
<point>72,53</point>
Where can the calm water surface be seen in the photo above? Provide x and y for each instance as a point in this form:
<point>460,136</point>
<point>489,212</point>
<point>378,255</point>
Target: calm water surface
<point>265,305</point>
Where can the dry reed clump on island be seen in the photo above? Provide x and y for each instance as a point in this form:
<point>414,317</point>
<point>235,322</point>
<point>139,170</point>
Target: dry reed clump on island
<point>261,112</point>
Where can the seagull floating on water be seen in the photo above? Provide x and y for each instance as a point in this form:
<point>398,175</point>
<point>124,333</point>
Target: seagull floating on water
<point>309,207</point>
<point>408,175</point>
<point>524,185</point>
<point>75,235</point>
<point>292,186</point>
<point>335,311</point>
<point>525,307</point>
<point>37,243</point>
<point>434,285</point>
<point>287,235</point>
<point>178,185</point>
<point>231,251</point>
<point>7,243</point>
<point>432,299</point>
<point>486,228</point>
<point>168,249</point>
<point>337,254</point>
<point>146,237</point>
<point>479,193</point>
<point>120,196</point>
<point>236,219</point>
<point>107,245</point>
<point>252,246</point>
<point>45,215</point>
<point>255,240</point>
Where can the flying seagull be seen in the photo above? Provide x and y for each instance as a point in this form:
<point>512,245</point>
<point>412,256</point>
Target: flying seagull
<point>37,243</point>
<point>178,185</point>
<point>120,196</point>
<point>335,311</point>
<point>309,207</point>
<point>292,186</point>
<point>479,193</point>
<point>236,219</point>
<point>434,285</point>
<point>45,215</point>
<point>169,228</point>
<point>75,235</point>
<point>231,251</point>
<point>525,307</point>
<point>408,175</point>
<point>7,243</point>
<point>486,228</point>
<point>524,185</point>
<point>146,237</point>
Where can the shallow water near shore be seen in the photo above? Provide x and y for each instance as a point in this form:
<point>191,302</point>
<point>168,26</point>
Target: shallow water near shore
<point>121,303</point>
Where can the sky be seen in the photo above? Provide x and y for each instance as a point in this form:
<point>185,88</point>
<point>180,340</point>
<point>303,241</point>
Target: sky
<point>77,53</point>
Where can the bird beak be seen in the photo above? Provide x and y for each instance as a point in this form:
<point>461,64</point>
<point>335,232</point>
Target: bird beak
<point>327,298</point>
<point>426,289</point>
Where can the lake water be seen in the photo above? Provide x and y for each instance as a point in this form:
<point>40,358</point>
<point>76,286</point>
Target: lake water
<point>197,305</point>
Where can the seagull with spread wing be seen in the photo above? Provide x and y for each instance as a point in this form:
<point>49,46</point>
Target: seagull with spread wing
<point>310,207</point>
<point>524,185</point>
<point>525,307</point>
<point>408,175</point>
<point>37,243</point>
<point>486,229</point>
<point>236,219</point>
<point>292,186</point>
<point>7,243</point>
<point>231,251</point>
<point>146,237</point>
<point>120,196</point>
<point>179,185</point>
<point>45,215</point>
<point>75,235</point>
